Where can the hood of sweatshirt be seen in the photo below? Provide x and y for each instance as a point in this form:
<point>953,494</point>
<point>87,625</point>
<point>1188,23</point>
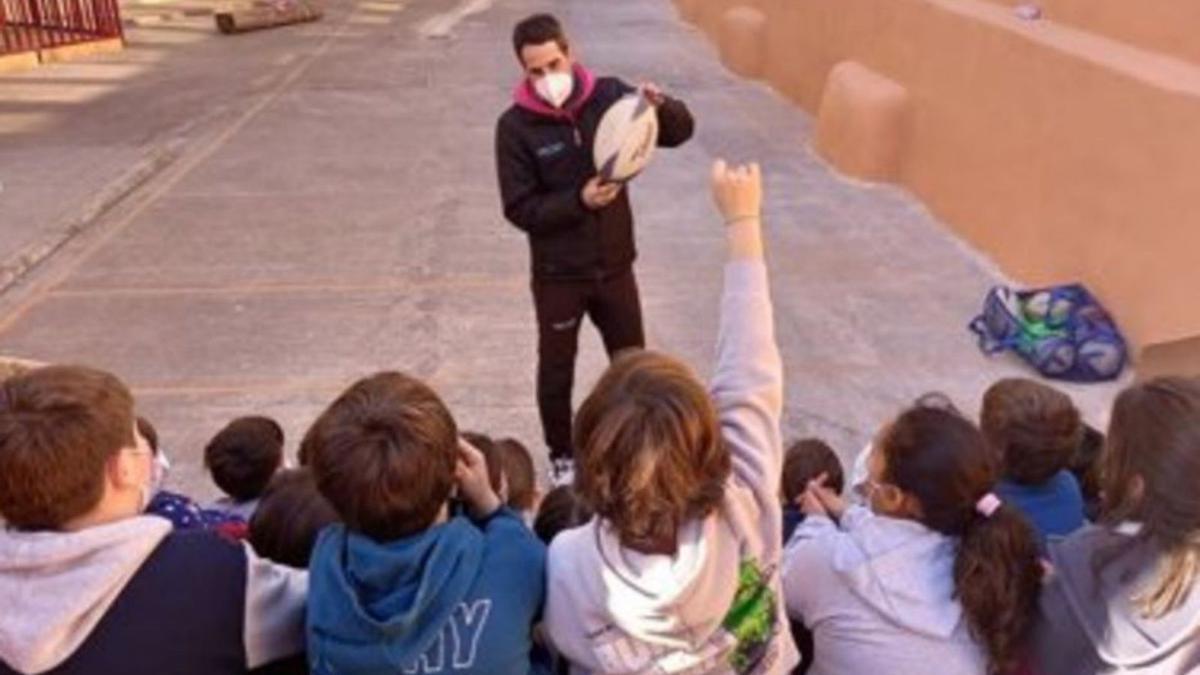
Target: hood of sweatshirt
<point>55,587</point>
<point>526,98</point>
<point>1102,598</point>
<point>669,600</point>
<point>902,569</point>
<point>377,607</point>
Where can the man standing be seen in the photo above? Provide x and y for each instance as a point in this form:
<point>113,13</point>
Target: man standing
<point>580,229</point>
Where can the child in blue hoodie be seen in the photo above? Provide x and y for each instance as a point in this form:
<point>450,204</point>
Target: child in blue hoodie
<point>404,586</point>
<point>1034,431</point>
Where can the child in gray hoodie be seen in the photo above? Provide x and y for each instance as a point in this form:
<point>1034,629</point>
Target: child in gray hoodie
<point>936,576</point>
<point>1123,595</point>
<point>678,571</point>
<point>88,584</point>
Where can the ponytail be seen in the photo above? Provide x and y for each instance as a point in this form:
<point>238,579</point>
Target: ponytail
<point>997,579</point>
<point>942,460</point>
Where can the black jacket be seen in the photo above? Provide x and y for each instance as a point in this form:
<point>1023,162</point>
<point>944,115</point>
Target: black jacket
<point>544,158</point>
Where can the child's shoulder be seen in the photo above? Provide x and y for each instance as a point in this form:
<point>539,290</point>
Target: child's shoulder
<point>200,543</point>
<point>509,540</point>
<point>571,547</point>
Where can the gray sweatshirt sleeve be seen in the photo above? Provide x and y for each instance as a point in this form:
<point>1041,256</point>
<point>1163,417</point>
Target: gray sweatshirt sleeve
<point>747,386</point>
<point>276,596</point>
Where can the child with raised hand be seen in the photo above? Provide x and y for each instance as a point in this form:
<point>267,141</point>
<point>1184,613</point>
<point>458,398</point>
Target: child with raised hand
<point>678,571</point>
<point>938,574</point>
<point>404,586</point>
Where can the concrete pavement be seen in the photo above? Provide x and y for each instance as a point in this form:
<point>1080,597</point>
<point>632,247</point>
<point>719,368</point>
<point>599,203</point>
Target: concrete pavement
<point>334,211</point>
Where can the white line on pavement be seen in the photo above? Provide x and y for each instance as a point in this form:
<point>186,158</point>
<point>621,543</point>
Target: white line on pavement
<point>440,26</point>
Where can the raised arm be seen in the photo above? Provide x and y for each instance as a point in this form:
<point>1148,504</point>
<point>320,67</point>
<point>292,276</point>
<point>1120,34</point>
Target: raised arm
<point>747,386</point>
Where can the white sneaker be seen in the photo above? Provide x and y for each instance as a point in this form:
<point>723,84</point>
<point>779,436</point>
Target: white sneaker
<point>562,472</point>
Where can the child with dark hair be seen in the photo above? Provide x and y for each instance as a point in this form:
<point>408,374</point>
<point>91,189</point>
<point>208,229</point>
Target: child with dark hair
<point>519,477</point>
<point>91,585</point>
<point>1085,464</point>
<point>404,585</point>
<point>679,570</point>
<point>290,515</point>
<point>183,511</point>
<point>1034,431</point>
<point>807,460</point>
<point>242,458</point>
<point>1125,593</point>
<point>939,574</point>
<point>561,509</point>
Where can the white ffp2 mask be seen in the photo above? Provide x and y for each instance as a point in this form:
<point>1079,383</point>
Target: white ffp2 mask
<point>555,88</point>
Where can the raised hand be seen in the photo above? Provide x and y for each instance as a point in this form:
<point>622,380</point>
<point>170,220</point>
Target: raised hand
<point>738,194</point>
<point>473,485</point>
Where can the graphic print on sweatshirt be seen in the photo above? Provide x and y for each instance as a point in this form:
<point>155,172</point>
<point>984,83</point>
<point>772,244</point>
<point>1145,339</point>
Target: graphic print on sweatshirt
<point>742,645</point>
<point>458,644</point>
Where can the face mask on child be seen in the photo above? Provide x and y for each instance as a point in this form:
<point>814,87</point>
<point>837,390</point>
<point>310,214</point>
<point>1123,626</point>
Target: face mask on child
<point>555,88</point>
<point>159,471</point>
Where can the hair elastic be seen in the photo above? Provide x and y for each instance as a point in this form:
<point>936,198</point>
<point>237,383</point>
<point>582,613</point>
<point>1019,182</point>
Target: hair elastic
<point>988,505</point>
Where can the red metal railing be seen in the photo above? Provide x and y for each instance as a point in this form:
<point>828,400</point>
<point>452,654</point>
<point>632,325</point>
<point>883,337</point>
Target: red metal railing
<point>31,25</point>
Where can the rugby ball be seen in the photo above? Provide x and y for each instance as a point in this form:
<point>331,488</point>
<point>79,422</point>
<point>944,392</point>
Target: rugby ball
<point>625,139</point>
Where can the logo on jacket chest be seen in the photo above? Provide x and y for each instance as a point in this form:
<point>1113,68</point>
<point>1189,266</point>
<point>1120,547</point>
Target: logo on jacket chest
<point>551,149</point>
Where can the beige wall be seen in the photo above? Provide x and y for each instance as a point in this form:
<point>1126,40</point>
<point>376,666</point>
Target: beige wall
<point>1061,154</point>
<point>1167,26</point>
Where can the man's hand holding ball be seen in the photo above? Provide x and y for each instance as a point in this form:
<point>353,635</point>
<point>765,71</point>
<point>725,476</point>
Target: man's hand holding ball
<point>597,194</point>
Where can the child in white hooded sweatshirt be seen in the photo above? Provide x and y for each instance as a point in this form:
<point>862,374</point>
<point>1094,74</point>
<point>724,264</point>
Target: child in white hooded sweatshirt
<point>936,576</point>
<point>678,571</point>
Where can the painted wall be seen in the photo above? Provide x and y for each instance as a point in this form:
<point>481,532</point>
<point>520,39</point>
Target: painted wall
<point>1062,154</point>
<point>1167,26</point>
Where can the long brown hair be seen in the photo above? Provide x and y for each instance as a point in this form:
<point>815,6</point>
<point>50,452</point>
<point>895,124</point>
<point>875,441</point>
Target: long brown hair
<point>942,460</point>
<point>1150,470</point>
<point>649,450</point>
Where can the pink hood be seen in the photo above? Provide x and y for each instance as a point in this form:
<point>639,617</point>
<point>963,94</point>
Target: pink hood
<point>525,97</point>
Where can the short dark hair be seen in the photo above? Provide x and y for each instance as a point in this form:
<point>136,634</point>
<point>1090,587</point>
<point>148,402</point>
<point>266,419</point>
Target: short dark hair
<point>562,509</point>
<point>804,461</point>
<point>1032,428</point>
<point>244,456</point>
<point>538,30</point>
<point>59,426</point>
<point>384,455</point>
<point>1086,465</point>
<point>491,455</point>
<point>285,525</point>
<point>518,470</point>
<point>148,432</point>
